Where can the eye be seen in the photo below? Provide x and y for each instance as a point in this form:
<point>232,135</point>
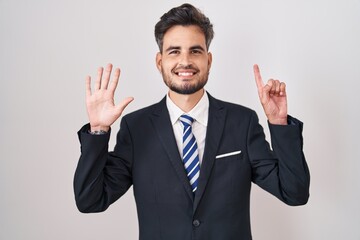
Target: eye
<point>196,51</point>
<point>174,52</point>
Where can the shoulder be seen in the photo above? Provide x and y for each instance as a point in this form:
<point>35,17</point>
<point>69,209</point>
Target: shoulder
<point>144,113</point>
<point>237,118</point>
<point>231,108</point>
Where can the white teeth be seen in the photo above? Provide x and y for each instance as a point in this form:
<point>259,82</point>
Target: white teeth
<point>185,74</point>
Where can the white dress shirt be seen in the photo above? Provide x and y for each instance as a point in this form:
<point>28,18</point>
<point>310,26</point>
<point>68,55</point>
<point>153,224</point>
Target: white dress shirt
<point>199,113</point>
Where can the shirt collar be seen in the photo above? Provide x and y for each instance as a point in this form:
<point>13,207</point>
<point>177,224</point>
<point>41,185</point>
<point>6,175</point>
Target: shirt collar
<point>200,112</point>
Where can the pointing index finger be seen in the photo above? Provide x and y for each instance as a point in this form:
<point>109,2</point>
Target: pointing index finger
<point>258,79</point>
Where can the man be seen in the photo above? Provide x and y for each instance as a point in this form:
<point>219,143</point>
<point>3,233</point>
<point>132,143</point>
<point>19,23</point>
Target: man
<point>190,158</point>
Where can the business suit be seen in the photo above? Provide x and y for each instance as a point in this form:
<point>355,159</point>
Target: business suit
<point>146,156</point>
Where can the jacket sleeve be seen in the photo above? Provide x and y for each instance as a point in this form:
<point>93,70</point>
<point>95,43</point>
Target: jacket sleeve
<point>282,171</point>
<point>102,177</point>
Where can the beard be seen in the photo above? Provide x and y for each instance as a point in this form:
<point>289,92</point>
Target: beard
<point>186,88</point>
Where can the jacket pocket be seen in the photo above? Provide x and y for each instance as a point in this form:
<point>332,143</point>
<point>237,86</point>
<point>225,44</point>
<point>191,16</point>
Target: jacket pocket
<point>229,154</point>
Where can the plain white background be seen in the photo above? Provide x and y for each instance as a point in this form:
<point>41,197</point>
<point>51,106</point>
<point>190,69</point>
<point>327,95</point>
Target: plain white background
<point>48,47</point>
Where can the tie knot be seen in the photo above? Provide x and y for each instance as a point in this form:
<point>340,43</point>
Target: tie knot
<point>186,120</point>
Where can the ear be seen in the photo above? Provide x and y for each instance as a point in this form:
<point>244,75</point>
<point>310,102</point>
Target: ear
<point>209,60</point>
<point>158,61</point>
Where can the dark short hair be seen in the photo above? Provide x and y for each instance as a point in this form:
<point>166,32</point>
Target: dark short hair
<point>184,15</point>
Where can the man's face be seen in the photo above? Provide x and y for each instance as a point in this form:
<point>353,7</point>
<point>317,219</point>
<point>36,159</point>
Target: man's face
<point>184,62</point>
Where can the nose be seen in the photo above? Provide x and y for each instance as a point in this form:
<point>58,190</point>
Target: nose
<point>185,59</point>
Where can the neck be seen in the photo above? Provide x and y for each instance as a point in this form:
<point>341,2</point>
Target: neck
<point>186,102</point>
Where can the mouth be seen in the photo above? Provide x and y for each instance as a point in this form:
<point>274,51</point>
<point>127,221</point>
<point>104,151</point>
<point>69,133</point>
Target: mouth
<point>185,73</point>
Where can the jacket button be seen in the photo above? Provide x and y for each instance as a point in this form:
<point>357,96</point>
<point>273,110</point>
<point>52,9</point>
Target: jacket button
<point>196,223</point>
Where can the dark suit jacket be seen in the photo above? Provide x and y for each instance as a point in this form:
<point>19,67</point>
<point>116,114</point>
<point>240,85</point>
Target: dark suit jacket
<point>146,156</point>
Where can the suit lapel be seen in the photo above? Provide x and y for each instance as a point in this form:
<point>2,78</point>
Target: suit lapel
<point>217,115</point>
<point>162,124</point>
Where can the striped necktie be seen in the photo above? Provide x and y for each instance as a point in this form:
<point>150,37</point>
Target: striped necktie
<point>190,152</point>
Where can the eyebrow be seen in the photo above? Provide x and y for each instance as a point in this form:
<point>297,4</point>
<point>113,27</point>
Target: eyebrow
<point>178,48</point>
<point>197,47</point>
<point>172,48</point>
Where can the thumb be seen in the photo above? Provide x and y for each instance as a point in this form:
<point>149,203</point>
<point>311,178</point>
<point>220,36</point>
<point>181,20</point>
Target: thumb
<point>121,106</point>
<point>265,93</point>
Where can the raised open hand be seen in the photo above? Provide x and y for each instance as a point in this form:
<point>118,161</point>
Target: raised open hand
<point>100,105</point>
<point>273,98</point>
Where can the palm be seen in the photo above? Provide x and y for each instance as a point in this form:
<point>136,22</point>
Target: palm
<point>276,106</point>
<point>101,108</point>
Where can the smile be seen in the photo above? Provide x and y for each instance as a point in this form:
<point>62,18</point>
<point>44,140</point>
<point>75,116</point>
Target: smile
<point>185,74</point>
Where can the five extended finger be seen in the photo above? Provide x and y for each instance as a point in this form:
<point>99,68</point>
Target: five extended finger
<point>114,82</point>
<point>124,104</point>
<point>88,86</point>
<point>106,77</point>
<point>98,79</point>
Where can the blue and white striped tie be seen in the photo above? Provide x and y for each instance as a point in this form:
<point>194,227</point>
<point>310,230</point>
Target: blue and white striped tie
<point>190,152</point>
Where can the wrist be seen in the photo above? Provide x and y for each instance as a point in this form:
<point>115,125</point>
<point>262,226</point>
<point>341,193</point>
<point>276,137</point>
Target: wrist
<point>99,129</point>
<point>101,132</point>
<point>279,121</point>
